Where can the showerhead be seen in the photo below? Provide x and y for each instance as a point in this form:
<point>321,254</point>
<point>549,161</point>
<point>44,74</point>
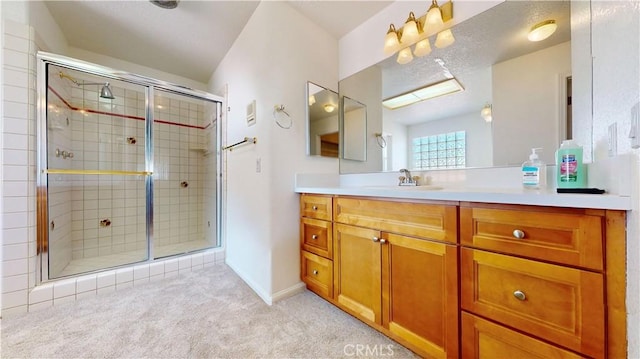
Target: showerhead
<point>165,4</point>
<point>105,92</point>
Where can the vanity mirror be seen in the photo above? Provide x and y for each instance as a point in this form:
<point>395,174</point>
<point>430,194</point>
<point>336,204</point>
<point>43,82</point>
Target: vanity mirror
<point>322,121</point>
<point>526,85</point>
<point>354,129</point>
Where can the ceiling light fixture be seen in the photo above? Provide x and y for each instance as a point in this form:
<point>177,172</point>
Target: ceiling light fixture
<point>329,107</point>
<point>434,90</point>
<point>542,30</point>
<point>417,31</point>
<point>487,113</point>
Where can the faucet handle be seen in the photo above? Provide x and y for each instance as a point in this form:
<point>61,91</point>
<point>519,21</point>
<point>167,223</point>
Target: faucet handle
<point>402,179</point>
<point>415,179</point>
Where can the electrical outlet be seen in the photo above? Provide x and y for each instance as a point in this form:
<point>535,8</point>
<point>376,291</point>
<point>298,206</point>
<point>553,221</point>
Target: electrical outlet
<point>613,139</point>
<point>258,165</point>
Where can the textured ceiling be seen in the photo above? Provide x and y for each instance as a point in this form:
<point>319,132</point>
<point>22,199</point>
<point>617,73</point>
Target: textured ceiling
<point>189,40</point>
<point>493,36</point>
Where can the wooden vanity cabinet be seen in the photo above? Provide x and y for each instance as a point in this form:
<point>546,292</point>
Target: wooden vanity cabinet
<point>541,281</point>
<point>472,280</point>
<point>403,284</point>
<point>316,243</point>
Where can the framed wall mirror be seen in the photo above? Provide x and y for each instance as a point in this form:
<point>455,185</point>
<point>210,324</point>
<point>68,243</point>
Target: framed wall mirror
<point>527,86</point>
<point>323,137</point>
<point>354,129</point>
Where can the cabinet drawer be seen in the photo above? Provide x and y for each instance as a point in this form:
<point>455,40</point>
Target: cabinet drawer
<point>316,206</point>
<point>317,273</point>
<point>484,339</point>
<point>559,304</point>
<point>433,221</point>
<point>561,237</point>
<point>316,237</point>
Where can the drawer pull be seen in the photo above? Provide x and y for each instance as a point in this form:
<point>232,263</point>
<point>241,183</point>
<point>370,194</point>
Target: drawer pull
<point>518,234</point>
<point>383,241</point>
<point>375,239</point>
<point>315,208</point>
<point>315,272</point>
<point>519,295</point>
<point>315,236</point>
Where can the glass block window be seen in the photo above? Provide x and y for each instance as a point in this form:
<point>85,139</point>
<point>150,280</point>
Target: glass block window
<point>446,150</point>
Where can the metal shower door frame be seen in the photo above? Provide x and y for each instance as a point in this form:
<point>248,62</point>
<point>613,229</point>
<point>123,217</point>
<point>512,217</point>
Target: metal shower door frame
<point>150,84</point>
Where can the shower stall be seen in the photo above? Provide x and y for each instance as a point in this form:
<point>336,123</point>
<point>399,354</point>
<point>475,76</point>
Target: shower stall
<point>127,168</point>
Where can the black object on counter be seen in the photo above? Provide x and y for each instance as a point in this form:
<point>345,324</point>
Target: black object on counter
<point>581,190</point>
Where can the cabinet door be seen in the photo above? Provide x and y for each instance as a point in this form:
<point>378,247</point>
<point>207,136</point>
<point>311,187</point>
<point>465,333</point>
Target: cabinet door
<point>420,293</point>
<point>357,285</point>
<point>484,339</point>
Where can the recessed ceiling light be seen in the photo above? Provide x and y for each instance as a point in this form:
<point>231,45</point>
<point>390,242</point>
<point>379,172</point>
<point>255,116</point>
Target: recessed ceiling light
<point>424,93</point>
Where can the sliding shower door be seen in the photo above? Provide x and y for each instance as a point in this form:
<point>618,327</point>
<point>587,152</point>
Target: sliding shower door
<point>184,144</point>
<point>128,169</point>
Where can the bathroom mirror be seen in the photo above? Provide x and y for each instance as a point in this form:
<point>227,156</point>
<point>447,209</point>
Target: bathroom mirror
<point>354,129</point>
<point>527,85</point>
<point>322,121</point>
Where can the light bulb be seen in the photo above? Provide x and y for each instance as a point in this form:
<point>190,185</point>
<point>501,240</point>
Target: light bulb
<point>391,42</point>
<point>312,100</point>
<point>423,48</point>
<point>410,31</point>
<point>444,39</point>
<point>434,16</point>
<point>329,107</point>
<point>405,56</point>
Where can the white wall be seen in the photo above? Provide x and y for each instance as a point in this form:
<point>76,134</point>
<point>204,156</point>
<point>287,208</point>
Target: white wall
<point>527,99</point>
<point>271,64</point>
<point>478,136</point>
<point>616,88</point>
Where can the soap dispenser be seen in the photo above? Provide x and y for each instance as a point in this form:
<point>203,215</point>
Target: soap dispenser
<point>534,171</point>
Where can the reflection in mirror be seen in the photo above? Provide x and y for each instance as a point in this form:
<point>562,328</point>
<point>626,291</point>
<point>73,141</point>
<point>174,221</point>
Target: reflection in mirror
<point>322,121</point>
<point>354,127</point>
<point>526,84</point>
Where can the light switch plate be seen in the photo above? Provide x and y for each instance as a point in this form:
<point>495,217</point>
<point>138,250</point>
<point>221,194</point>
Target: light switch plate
<point>251,113</point>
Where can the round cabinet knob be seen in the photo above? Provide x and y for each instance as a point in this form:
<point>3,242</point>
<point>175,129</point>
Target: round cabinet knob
<point>375,239</point>
<point>518,234</point>
<point>315,272</point>
<point>315,208</point>
<point>383,241</point>
<point>519,295</point>
<point>315,236</point>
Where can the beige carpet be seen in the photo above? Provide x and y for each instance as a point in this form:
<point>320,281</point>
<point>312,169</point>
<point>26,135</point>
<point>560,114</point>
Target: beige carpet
<point>210,313</point>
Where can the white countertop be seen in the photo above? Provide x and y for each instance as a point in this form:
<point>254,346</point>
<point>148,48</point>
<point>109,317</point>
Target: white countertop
<point>480,194</point>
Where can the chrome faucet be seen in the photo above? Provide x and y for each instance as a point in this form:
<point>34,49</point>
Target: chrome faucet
<point>407,179</point>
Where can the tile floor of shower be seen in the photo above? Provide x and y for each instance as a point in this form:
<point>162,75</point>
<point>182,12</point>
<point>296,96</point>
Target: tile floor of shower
<point>84,265</point>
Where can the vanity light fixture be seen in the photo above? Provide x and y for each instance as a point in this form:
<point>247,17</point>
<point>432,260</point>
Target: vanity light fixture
<point>417,31</point>
<point>329,108</point>
<point>486,113</point>
<point>542,30</point>
<point>424,93</point>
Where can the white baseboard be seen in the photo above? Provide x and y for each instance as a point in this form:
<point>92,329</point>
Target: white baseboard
<point>269,299</point>
<point>288,292</point>
<point>256,288</point>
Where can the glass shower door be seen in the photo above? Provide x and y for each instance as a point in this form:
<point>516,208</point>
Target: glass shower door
<point>96,174</point>
<point>185,206</point>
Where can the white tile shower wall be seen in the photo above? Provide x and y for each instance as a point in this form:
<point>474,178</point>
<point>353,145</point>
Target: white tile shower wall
<point>179,167</point>
<point>19,244</point>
